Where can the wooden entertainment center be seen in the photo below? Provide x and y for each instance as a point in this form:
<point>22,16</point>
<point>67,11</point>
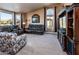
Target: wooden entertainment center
<point>68,29</point>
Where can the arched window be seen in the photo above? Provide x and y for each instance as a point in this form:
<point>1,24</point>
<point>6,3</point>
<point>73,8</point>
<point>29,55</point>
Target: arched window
<point>35,18</point>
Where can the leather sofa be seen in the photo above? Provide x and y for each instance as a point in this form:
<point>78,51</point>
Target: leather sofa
<point>36,28</point>
<point>13,28</point>
<point>16,29</point>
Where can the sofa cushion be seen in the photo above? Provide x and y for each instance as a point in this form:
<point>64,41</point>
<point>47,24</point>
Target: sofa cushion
<point>36,27</point>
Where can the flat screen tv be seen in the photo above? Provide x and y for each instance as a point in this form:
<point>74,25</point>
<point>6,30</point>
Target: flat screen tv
<point>64,22</point>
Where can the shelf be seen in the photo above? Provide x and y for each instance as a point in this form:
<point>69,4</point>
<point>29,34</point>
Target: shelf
<point>70,27</point>
<point>70,39</point>
<point>70,47</point>
<point>70,18</point>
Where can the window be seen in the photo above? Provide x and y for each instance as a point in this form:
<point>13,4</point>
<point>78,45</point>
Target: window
<point>6,19</point>
<point>50,15</point>
<point>50,12</point>
<point>35,18</point>
<point>18,20</point>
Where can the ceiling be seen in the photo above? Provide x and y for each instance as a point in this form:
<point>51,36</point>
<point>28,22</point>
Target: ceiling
<point>26,7</point>
<point>22,7</point>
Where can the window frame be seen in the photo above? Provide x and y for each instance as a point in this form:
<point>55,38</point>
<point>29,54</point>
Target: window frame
<point>7,12</point>
<point>20,18</point>
<point>36,16</point>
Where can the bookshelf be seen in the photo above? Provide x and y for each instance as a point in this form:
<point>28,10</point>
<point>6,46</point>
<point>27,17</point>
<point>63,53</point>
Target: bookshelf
<point>70,24</point>
<point>71,36</point>
<point>62,28</point>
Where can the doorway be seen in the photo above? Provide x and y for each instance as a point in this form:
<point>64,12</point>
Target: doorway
<point>50,20</point>
<point>50,25</point>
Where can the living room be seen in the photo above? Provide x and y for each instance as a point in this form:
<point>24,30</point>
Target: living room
<point>36,29</point>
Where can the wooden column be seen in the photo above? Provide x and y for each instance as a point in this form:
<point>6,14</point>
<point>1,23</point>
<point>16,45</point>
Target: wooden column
<point>21,20</point>
<point>44,18</point>
<point>14,18</point>
<point>55,19</point>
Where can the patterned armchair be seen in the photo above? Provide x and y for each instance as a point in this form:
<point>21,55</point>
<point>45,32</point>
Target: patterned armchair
<point>10,43</point>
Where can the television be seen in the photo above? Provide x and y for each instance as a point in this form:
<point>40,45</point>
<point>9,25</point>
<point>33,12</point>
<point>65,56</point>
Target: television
<point>60,23</point>
<point>64,22</point>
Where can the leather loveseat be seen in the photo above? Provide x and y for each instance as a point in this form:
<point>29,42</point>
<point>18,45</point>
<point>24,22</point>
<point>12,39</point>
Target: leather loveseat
<point>36,28</point>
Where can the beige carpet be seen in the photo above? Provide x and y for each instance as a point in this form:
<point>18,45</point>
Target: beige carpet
<point>46,44</point>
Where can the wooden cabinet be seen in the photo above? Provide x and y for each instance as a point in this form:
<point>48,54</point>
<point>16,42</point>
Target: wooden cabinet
<point>62,28</point>
<point>76,24</point>
<point>72,29</point>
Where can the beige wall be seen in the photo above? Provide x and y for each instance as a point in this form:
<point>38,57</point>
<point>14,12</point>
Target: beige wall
<point>29,15</point>
<point>59,8</point>
<point>40,12</point>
